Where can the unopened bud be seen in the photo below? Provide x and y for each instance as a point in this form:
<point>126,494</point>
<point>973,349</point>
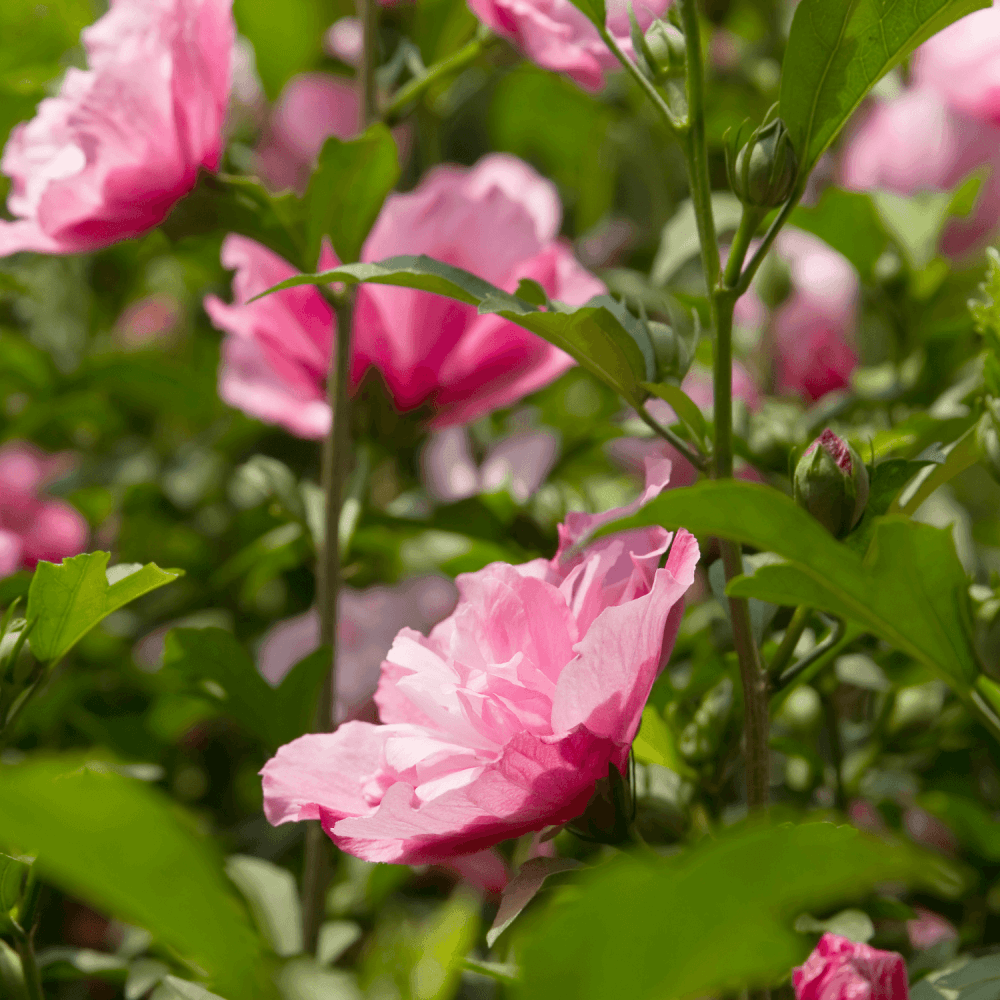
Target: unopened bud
<point>610,812</point>
<point>831,482</point>
<point>665,51</point>
<point>766,166</point>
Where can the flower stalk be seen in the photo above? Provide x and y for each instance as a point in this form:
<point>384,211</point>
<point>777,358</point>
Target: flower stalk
<point>722,300</point>
<point>335,458</point>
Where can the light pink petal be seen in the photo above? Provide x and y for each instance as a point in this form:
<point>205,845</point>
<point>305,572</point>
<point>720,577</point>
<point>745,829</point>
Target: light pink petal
<point>605,687</point>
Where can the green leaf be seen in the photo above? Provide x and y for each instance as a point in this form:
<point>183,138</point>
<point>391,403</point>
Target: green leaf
<point>592,334</point>
<point>172,988</point>
<point>910,590</point>
<point>838,50</point>
<point>594,9</point>
<point>277,716</point>
<point>962,454</point>
<point>273,897</point>
<point>655,743</point>
<point>713,920</point>
<point>13,872</point>
<point>68,600</point>
<point>287,37</point>
<point>130,856</point>
<point>964,979</point>
<point>347,189</point>
<point>685,407</point>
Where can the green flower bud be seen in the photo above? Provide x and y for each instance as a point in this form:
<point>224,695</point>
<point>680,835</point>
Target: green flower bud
<point>765,167</point>
<point>665,51</point>
<point>831,482</point>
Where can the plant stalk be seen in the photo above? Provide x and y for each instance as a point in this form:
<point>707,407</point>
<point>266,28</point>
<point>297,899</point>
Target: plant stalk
<point>656,98</point>
<point>753,678</point>
<point>335,455</point>
<point>793,633</point>
<point>694,456</point>
<point>454,63</point>
<point>29,965</point>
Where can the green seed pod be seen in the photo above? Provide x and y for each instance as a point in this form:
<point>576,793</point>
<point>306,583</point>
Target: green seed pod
<point>831,482</point>
<point>765,168</point>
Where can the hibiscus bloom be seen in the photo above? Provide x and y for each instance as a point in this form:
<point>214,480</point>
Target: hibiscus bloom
<point>502,720</point>
<point>110,154</point>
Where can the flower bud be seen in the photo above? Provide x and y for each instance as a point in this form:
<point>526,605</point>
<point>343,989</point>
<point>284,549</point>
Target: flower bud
<point>610,812</point>
<point>765,167</point>
<point>665,51</point>
<point>831,482</point>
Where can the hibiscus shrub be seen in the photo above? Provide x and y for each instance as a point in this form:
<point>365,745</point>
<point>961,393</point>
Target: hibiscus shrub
<point>498,498</point>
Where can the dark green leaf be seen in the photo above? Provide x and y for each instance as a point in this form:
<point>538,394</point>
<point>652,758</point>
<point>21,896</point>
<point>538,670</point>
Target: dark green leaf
<point>130,857</point>
<point>839,49</point>
<point>70,599</point>
<point>911,589</point>
<point>712,920</point>
<point>277,716</point>
<point>346,191</point>
<point>593,335</point>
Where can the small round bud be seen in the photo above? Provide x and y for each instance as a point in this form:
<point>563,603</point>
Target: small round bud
<point>671,353</point>
<point>831,482</point>
<point>766,167</point>
<point>665,51</point>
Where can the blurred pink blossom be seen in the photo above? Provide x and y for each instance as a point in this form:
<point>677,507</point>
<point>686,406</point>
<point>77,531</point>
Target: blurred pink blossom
<point>148,321</point>
<point>925,828</point>
<point>812,331</point>
<point>368,621</point>
<point>839,969</point>
<point>929,928</point>
<point>485,870</point>
<point>343,40</point>
<point>943,126</point>
<point>110,154</point>
<point>312,107</point>
<point>498,220</point>
<point>556,35</point>
<point>33,526</point>
<point>519,462</point>
<point>501,721</point>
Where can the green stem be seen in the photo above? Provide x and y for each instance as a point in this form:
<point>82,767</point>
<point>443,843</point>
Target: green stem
<point>695,458</point>
<point>29,965</point>
<point>836,750</point>
<point>454,63</point>
<point>721,301</point>
<point>675,125</point>
<point>749,221</point>
<point>335,454</point>
<point>791,639</point>
<point>769,237</point>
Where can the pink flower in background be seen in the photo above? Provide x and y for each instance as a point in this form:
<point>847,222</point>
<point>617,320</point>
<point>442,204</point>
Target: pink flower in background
<point>943,126</point>
<point>368,622</point>
<point>277,352</point>
<point>312,108</point>
<point>498,220</point>
<point>501,721</point>
<point>929,928</point>
<point>110,154</point>
<point>631,452</point>
<point>519,463</point>
<point>557,36</point>
<point>33,526</point>
<point>148,321</point>
<point>343,40</point>
<point>839,969</point>
<point>812,330</point>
